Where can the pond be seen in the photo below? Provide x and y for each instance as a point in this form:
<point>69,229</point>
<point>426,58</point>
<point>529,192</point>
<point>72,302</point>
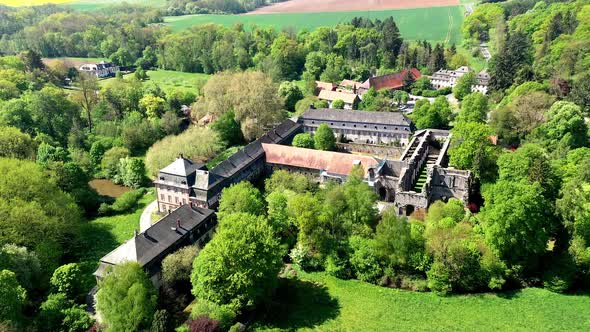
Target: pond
<point>108,188</point>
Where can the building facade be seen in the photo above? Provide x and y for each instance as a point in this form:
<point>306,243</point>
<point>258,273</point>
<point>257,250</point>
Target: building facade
<point>360,127</point>
<point>449,78</point>
<point>101,69</point>
<point>350,99</point>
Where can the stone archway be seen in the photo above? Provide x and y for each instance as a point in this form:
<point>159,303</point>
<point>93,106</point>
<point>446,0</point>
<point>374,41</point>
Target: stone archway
<point>409,209</point>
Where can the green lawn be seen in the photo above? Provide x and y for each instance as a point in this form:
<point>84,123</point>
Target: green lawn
<point>168,79</point>
<point>434,24</point>
<point>103,234</point>
<point>324,303</point>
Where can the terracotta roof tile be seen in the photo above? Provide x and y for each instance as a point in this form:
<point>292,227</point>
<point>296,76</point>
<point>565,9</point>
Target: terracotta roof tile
<point>392,81</point>
<point>332,162</point>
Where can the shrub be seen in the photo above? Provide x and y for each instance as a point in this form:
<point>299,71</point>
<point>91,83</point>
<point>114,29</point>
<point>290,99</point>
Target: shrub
<point>161,322</point>
<point>177,266</point>
<point>338,104</point>
<point>76,319</point>
<point>365,260</point>
<point>203,324</point>
<point>303,141</point>
<point>128,200</point>
<point>223,314</point>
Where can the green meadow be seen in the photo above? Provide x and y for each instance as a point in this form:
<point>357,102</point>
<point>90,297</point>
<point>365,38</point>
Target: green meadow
<point>169,80</point>
<point>320,302</point>
<point>434,24</point>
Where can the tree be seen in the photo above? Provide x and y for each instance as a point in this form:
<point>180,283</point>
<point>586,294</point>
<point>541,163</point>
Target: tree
<point>47,154</point>
<point>24,263</point>
<point>241,198</point>
<point>580,93</point>
<point>76,319</point>
<point>513,56</point>
<point>281,181</point>
<point>251,95</point>
<point>31,60</point>
<point>110,160</point>
<point>338,104</point>
<point>532,164</point>
<point>408,80</point>
<point>393,240</point>
<point>436,115</point>
<point>291,93</point>
<point>131,172</point>
<point>565,127</point>
<point>303,140</point>
<point>324,138</point>
<point>401,97</point>
<point>87,95</point>
<point>168,149</point>
<point>176,267</point>
<point>51,314</point>
<point>66,279</point>
<point>161,321</point>
<point>126,298</point>
<point>170,123</point>
<point>228,129</point>
<point>8,90</point>
<point>36,213</point>
<point>516,221</point>
<point>152,106</point>
<point>288,57</point>
<point>464,84</point>
<point>474,108</point>
<point>15,144</point>
<point>52,112</point>
<point>472,149</point>
<point>240,264</point>
<point>13,297</point>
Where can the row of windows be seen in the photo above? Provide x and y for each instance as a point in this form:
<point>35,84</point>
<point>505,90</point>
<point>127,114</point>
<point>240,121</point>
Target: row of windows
<point>176,200</point>
<point>365,126</point>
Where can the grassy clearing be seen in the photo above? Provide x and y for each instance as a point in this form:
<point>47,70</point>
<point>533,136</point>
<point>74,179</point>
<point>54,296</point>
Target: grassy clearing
<point>169,80</point>
<point>322,303</point>
<point>415,23</point>
<point>104,234</point>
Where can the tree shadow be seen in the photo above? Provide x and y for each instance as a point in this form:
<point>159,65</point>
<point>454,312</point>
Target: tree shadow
<point>96,241</point>
<point>298,304</point>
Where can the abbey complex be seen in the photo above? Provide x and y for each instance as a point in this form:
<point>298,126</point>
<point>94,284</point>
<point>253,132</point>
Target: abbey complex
<point>410,177</point>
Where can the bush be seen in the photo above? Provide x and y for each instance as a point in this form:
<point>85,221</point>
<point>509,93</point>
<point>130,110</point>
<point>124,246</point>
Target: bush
<point>66,279</point>
<point>161,322</point>
<point>76,319</point>
<point>223,314</point>
<point>128,200</point>
<point>177,266</point>
<point>365,260</point>
<point>203,324</point>
<point>559,277</point>
<point>303,141</point>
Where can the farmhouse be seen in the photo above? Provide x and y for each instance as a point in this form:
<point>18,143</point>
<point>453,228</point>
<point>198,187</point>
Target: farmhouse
<point>350,100</point>
<point>360,127</point>
<point>393,81</point>
<point>182,226</point>
<point>449,78</point>
<point>101,69</point>
<point>321,86</point>
<point>419,177</point>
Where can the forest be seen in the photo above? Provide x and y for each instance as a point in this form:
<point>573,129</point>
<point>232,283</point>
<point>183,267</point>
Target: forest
<point>526,143</point>
<point>187,7</point>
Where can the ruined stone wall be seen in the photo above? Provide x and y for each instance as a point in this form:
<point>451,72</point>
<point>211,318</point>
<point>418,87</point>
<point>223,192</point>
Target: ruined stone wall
<point>389,152</point>
<point>448,183</point>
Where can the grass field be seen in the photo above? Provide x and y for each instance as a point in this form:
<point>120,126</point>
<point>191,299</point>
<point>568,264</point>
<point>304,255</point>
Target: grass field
<point>434,24</point>
<point>104,234</point>
<point>168,79</point>
<point>324,303</point>
<point>81,4</point>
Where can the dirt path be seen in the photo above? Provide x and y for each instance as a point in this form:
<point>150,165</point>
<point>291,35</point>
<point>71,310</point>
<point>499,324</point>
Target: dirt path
<point>316,6</point>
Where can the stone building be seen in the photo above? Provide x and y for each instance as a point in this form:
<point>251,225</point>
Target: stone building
<point>184,180</point>
<point>359,126</point>
<point>449,78</point>
<point>413,181</point>
<point>183,226</point>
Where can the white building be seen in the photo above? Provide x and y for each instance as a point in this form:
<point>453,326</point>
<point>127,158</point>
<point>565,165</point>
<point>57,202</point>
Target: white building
<point>449,78</point>
<point>350,99</point>
<point>101,69</point>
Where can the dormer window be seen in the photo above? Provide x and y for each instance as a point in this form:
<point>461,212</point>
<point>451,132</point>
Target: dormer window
<point>162,178</point>
<point>183,182</point>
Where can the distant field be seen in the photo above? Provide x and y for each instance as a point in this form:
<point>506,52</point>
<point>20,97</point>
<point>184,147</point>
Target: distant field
<point>80,4</point>
<point>324,303</point>
<point>315,6</point>
<point>168,79</point>
<point>433,24</point>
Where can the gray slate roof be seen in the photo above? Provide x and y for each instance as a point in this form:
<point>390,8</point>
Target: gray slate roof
<point>356,116</point>
<point>147,246</point>
<point>181,167</point>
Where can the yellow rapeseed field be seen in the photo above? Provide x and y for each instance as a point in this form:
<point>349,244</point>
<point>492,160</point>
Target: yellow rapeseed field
<point>17,3</point>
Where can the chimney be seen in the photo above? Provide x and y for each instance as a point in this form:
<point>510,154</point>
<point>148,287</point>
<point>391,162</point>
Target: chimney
<point>354,88</point>
<point>190,203</point>
<point>177,223</point>
<point>135,233</point>
<point>169,211</point>
<point>181,156</point>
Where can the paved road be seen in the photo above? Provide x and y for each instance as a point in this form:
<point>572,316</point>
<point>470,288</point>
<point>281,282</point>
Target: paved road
<point>145,221</point>
<point>485,52</point>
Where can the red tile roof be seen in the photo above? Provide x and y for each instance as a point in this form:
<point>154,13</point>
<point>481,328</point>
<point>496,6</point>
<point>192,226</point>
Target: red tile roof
<point>325,85</point>
<point>391,81</point>
<point>332,162</point>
